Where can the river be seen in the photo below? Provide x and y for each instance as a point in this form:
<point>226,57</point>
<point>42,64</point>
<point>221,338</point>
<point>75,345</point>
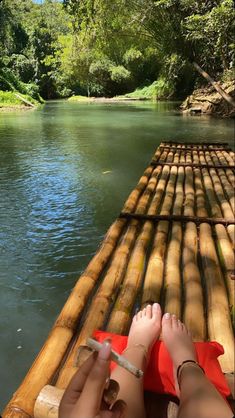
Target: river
<point>65,171</point>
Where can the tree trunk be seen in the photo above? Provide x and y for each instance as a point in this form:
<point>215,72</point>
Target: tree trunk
<point>225,95</point>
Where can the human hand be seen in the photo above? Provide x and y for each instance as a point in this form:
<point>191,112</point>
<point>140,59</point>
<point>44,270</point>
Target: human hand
<point>87,395</point>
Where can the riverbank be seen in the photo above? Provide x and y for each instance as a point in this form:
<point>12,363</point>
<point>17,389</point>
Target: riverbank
<point>12,100</point>
<point>84,99</point>
<point>158,90</point>
<point>203,101</point>
<point>208,101</point>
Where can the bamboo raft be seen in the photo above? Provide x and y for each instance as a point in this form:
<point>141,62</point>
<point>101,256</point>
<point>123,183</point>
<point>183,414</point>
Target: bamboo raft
<point>173,243</point>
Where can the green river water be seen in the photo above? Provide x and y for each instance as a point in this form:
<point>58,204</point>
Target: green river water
<point>65,171</point>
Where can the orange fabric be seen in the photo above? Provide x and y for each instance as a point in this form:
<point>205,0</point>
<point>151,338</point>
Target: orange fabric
<point>159,375</point>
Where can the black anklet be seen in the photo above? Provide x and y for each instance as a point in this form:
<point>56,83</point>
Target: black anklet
<point>185,362</point>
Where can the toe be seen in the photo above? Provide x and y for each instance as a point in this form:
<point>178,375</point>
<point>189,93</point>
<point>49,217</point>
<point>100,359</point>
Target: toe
<point>134,318</point>
<point>166,321</point>
<point>149,311</point>
<point>156,312</point>
<point>181,326</point>
<point>144,312</point>
<point>139,315</point>
<point>175,324</point>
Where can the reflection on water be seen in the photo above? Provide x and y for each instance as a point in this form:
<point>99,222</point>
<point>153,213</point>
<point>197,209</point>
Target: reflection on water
<point>65,171</point>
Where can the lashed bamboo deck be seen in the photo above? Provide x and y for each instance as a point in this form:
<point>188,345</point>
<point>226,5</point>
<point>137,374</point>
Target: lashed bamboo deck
<point>173,243</point>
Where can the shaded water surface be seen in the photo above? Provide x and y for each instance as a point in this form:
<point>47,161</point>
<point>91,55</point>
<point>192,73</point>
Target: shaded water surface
<point>65,171</point>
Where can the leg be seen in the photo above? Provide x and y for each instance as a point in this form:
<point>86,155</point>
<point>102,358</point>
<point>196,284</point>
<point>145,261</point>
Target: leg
<point>144,331</point>
<point>198,396</point>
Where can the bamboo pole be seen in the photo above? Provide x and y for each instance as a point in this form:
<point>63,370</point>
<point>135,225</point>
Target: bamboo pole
<point>225,250</point>
<point>228,190</point>
<point>200,195</point>
<point>159,191</point>
<point>226,255</point>
<point>47,403</point>
<point>109,286</point>
<point>227,206</point>
<point>154,275</point>
<point>229,157</point>
<point>146,197</point>
<point>229,173</point>
<point>221,179</point>
<point>212,201</point>
<point>178,218</point>
<point>172,278</point>
<point>189,193</point>
<point>224,203</point>
<point>172,287</point>
<point>231,177</point>
<point>230,230</point>
<point>219,322</point>
<point>195,157</point>
<point>132,200</point>
<point>225,182</point>
<point>169,192</point>
<point>182,157</point>
<point>214,158</point>
<point>193,315</point>
<point>179,192</point>
<point>196,144</point>
<point>160,154</point>
<point>157,154</point>
<point>203,148</point>
<point>221,158</point>
<point>232,155</point>
<point>120,317</point>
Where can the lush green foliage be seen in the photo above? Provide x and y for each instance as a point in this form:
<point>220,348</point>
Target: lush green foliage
<point>108,48</point>
<point>9,98</point>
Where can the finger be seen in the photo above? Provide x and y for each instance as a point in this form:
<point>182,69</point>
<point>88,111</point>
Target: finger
<point>119,409</point>
<point>92,393</point>
<point>110,394</point>
<point>78,381</point>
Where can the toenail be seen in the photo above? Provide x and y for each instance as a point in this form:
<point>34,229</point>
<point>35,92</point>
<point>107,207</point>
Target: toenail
<point>156,305</point>
<point>167,315</point>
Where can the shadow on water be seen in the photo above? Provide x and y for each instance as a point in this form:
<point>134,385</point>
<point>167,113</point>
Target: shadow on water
<point>65,171</point>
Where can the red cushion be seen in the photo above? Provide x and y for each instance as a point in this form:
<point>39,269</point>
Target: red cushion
<point>159,376</point>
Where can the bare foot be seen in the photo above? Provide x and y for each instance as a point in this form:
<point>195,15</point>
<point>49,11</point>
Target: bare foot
<point>145,327</point>
<point>178,342</point>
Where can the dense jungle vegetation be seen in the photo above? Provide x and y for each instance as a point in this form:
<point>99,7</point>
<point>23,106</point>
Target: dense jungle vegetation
<point>107,48</point>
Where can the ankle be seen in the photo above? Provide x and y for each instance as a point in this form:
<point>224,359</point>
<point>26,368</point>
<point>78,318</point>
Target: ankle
<point>137,353</point>
<point>189,371</point>
<point>140,347</point>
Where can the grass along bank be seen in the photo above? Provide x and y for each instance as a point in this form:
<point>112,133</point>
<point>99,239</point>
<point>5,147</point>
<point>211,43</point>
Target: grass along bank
<point>16,100</point>
<point>161,89</point>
